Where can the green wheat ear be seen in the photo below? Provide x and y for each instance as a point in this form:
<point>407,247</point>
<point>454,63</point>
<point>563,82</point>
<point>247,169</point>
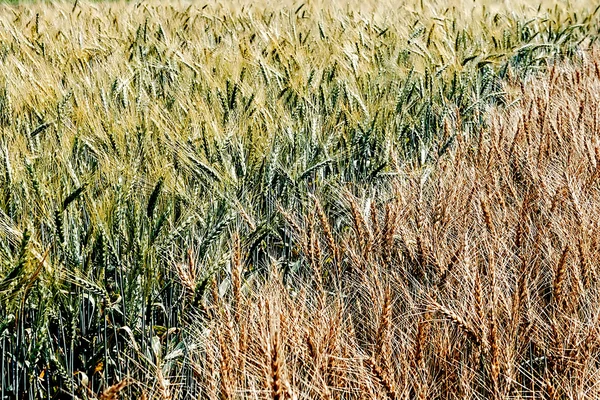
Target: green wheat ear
<point>20,262</point>
<point>73,196</point>
<point>154,198</point>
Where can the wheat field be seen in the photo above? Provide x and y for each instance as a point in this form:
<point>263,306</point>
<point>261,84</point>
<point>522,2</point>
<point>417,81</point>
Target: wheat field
<point>301,200</point>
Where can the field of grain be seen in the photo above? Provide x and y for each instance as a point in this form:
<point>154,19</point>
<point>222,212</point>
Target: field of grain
<point>307,200</point>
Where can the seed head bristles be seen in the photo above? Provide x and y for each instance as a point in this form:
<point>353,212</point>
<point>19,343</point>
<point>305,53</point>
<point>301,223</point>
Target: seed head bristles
<point>450,266</point>
<point>519,299</point>
<point>521,222</point>
<point>478,296</point>
<point>584,268</point>
<point>559,276</point>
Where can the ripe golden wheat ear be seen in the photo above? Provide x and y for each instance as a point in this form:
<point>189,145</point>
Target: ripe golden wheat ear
<point>112,392</point>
